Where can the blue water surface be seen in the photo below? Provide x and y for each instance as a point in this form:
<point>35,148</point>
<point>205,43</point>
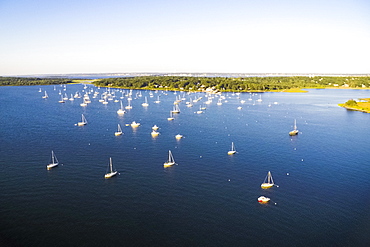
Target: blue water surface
<point>209,198</point>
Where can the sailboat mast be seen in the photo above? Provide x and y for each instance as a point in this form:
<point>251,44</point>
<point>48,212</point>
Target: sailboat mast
<point>110,164</point>
<point>269,178</point>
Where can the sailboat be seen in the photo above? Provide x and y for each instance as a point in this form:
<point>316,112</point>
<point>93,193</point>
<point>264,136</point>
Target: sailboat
<point>120,111</point>
<point>45,95</point>
<point>176,109</point>
<point>83,122</point>
<point>54,161</point>
<point>110,173</point>
<point>294,131</point>
<point>119,131</point>
<point>146,102</point>
<point>155,127</point>
<point>232,151</point>
<point>83,102</point>
<point>170,161</point>
<point>61,100</point>
<point>171,117</point>
<point>129,104</point>
<point>268,182</point>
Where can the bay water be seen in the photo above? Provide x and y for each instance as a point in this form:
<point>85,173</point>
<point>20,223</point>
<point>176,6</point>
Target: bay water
<point>209,198</point>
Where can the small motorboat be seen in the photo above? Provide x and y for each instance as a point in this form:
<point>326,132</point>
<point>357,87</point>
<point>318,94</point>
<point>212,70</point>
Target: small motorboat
<point>263,199</point>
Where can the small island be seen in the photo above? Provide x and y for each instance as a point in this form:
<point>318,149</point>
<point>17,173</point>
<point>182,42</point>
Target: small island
<point>363,105</point>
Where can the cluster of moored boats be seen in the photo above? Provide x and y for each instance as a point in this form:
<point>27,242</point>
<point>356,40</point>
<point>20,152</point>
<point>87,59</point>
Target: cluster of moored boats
<point>107,96</point>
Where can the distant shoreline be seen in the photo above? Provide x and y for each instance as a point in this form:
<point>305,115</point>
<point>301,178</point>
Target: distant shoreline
<point>206,74</point>
<point>294,84</point>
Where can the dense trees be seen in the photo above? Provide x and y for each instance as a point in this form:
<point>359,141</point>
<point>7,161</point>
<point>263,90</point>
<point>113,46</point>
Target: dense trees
<point>241,84</point>
<point>26,81</point>
<point>233,84</point>
<point>351,102</point>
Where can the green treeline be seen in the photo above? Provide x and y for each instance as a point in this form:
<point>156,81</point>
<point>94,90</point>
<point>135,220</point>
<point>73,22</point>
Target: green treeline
<point>29,81</point>
<point>222,84</point>
<point>232,84</point>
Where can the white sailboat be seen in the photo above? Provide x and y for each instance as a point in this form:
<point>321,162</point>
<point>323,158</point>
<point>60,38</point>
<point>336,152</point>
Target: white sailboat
<point>171,117</point>
<point>232,151</point>
<point>268,182</point>
<point>170,161</point>
<point>45,95</point>
<point>155,127</point>
<point>145,103</point>
<point>294,131</point>
<point>119,131</point>
<point>178,136</point>
<point>61,100</point>
<point>54,161</point>
<point>65,96</point>
<point>157,101</point>
<point>176,109</point>
<point>120,111</point>
<point>110,173</point>
<point>129,104</point>
<point>200,111</point>
<point>83,103</point>
<point>83,121</point>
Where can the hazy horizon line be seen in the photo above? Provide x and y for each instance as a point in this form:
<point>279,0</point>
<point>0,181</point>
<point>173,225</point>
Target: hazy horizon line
<point>203,74</point>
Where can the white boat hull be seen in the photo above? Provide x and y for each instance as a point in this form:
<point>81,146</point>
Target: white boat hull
<point>52,166</point>
<point>266,185</point>
<point>168,164</point>
<point>263,199</point>
<point>111,174</point>
<point>155,133</point>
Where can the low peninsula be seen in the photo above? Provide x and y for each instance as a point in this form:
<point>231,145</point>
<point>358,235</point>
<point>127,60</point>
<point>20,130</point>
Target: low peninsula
<point>363,105</point>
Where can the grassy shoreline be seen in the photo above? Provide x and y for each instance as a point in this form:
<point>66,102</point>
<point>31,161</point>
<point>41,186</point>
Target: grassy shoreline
<point>353,105</point>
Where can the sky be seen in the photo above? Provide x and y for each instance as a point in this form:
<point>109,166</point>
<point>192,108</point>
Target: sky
<point>184,36</point>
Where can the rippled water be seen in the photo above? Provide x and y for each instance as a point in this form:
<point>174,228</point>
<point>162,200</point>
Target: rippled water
<point>209,198</point>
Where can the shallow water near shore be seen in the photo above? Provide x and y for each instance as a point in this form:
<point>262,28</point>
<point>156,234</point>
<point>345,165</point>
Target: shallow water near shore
<point>209,198</point>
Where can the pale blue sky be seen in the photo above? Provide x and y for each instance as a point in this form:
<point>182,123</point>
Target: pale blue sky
<point>112,36</point>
